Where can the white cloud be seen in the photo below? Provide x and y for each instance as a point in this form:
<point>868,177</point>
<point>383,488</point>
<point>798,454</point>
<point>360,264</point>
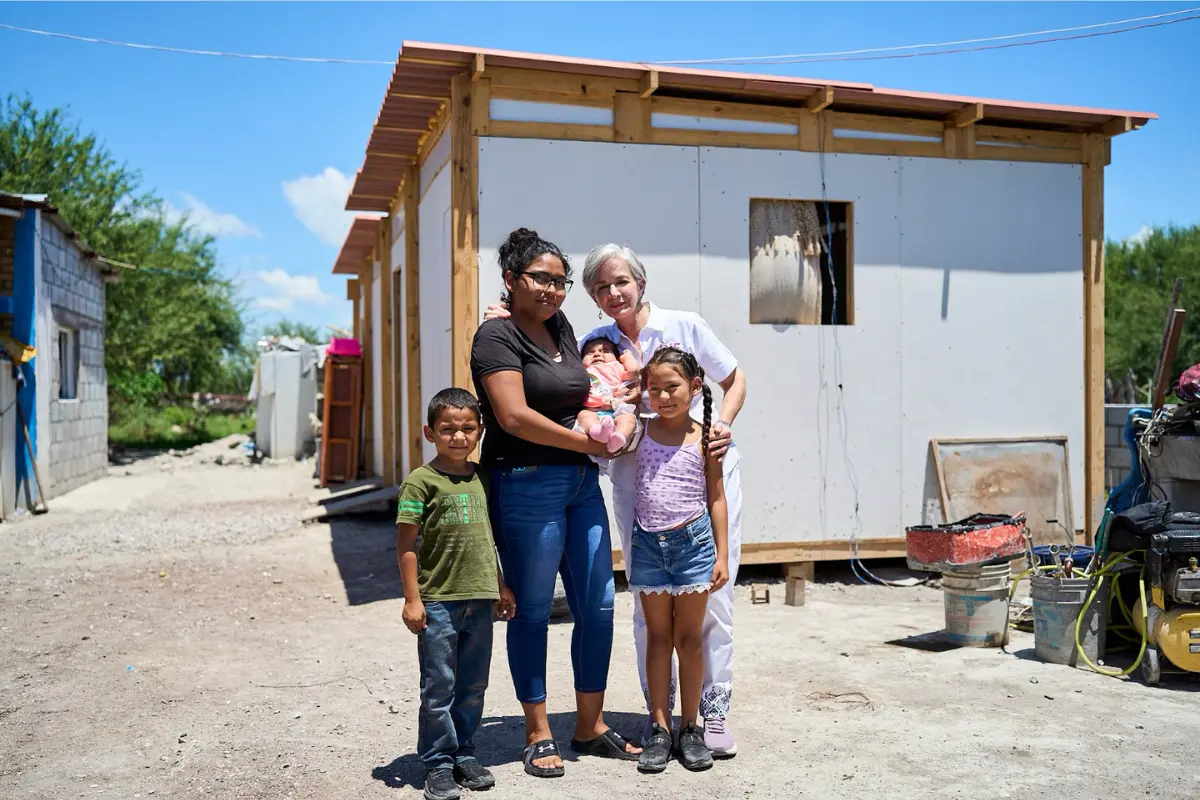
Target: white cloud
<point>1143,233</point>
<point>199,217</point>
<point>290,290</point>
<point>319,202</point>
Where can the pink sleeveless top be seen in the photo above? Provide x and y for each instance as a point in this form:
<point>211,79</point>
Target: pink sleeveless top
<point>671,487</point>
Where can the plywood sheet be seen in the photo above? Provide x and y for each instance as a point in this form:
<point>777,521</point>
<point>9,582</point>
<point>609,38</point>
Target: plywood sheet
<point>1007,476</point>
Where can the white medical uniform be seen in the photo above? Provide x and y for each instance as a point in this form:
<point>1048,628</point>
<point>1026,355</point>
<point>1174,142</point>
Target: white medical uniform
<point>690,332</point>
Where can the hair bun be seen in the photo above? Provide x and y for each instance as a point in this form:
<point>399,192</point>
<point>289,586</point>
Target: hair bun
<point>517,240</point>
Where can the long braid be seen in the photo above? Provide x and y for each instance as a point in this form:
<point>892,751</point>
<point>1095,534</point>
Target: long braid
<point>706,426</point>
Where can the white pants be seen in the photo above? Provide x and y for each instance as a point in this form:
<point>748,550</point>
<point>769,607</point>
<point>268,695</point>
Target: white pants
<point>718,622</point>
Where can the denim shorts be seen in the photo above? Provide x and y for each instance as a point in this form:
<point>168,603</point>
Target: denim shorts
<point>676,561</point>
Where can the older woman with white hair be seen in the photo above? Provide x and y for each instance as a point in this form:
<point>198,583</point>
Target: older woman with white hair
<point>615,278</point>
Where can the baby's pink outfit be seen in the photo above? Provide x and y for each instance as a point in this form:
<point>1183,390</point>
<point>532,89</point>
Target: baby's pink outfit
<point>608,377</point>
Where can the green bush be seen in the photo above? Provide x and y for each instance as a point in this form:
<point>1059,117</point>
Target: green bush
<point>176,427</point>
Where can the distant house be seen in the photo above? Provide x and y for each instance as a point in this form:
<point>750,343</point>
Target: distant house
<point>52,299</point>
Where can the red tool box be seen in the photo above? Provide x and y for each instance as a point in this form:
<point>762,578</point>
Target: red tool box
<point>973,541</point>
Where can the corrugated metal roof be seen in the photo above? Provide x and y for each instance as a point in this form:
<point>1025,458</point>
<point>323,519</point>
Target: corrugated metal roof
<point>420,84</point>
<point>360,241</point>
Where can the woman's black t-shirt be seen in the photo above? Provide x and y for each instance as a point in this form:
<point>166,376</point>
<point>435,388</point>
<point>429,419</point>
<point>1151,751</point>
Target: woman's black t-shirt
<point>554,389</point>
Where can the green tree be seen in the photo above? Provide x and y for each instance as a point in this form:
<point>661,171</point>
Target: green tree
<point>174,324</point>
<point>1139,279</point>
<point>302,330</point>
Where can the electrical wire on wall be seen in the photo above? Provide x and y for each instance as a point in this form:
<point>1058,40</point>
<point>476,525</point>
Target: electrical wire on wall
<point>856,564</point>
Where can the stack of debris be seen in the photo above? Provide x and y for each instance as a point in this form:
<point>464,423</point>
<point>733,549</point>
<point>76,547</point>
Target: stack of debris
<point>353,497</point>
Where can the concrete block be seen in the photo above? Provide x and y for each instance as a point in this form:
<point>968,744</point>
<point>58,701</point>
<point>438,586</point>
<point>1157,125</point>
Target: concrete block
<point>1112,436</point>
<point>1116,414</point>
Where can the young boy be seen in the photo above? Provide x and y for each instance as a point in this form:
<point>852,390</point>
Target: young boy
<point>450,584</point>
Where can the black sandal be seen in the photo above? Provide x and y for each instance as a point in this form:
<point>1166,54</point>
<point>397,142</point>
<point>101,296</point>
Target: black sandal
<point>609,744</point>
<point>543,749</point>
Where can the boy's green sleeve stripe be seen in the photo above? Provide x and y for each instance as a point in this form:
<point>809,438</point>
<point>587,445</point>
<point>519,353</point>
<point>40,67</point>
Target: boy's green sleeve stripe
<point>407,506</point>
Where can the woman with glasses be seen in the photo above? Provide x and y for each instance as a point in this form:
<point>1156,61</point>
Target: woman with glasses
<point>546,509</point>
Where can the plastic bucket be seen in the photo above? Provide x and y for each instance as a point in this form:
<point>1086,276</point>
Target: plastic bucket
<point>1057,604</point>
<point>977,605</point>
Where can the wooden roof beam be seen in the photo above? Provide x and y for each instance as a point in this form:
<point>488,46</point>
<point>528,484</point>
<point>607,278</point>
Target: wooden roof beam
<point>820,100</point>
<point>352,289</point>
<point>967,115</point>
<point>649,83</point>
<point>1117,125</point>
<point>394,129</point>
<point>382,154</point>
<point>477,67</point>
<point>434,97</point>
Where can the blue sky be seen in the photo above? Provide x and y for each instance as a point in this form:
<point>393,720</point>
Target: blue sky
<point>262,152</point>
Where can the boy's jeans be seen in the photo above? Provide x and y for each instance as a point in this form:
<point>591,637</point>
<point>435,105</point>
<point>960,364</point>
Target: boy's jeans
<point>455,654</point>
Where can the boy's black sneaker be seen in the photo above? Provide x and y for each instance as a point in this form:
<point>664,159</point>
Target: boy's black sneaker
<point>657,750</point>
<point>472,775</point>
<point>440,785</point>
<point>693,753</point>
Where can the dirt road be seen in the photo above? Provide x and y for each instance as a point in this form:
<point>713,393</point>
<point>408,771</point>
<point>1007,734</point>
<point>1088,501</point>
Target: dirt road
<point>179,635</point>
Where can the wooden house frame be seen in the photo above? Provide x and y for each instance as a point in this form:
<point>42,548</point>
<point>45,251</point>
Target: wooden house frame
<point>442,102</point>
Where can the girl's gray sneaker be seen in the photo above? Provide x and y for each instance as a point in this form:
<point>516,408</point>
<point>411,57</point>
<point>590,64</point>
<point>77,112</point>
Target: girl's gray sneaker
<point>657,751</point>
<point>693,753</point>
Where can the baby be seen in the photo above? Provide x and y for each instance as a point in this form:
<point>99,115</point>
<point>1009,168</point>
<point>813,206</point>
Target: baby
<point>606,416</point>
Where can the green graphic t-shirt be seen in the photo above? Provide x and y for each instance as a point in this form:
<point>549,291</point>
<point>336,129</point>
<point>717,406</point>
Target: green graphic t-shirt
<point>456,558</point>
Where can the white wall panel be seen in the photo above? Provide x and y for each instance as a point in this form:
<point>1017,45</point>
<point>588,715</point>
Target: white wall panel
<point>400,349</point>
<point>433,220</point>
<point>581,194</point>
<point>794,467</point>
<point>435,163</point>
<point>992,305</point>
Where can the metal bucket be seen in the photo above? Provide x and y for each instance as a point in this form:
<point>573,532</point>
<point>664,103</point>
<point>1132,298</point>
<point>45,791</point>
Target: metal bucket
<point>977,605</point>
<point>1057,603</point>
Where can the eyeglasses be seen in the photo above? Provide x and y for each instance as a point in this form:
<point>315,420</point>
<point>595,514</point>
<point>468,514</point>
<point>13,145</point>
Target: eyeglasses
<point>545,281</point>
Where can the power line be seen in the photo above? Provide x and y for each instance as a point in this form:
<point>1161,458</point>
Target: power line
<point>785,60</point>
<point>802,58</point>
<point>865,51</point>
<point>189,51</point>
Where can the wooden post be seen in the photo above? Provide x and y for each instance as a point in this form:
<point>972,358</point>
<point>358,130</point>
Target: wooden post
<point>353,295</point>
<point>631,118</point>
<point>1094,157</point>
<point>794,592</point>
<point>412,295</point>
<point>366,277</point>
<point>800,569</point>
<point>387,371</point>
<point>464,231</point>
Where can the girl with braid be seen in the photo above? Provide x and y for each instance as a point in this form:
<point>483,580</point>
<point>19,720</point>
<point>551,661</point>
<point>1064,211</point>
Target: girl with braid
<point>679,551</point>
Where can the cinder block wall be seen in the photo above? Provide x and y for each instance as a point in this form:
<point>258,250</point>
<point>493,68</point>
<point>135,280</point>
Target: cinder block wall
<point>1117,460</point>
<point>79,427</point>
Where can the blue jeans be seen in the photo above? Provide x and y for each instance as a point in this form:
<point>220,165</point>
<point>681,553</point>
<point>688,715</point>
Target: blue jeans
<point>455,655</point>
<point>551,519</point>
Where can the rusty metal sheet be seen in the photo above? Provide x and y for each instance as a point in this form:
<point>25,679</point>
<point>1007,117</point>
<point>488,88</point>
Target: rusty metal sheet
<point>1008,476</point>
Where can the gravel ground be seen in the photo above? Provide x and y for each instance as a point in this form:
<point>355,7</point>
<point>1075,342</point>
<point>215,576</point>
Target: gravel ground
<point>217,649</point>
